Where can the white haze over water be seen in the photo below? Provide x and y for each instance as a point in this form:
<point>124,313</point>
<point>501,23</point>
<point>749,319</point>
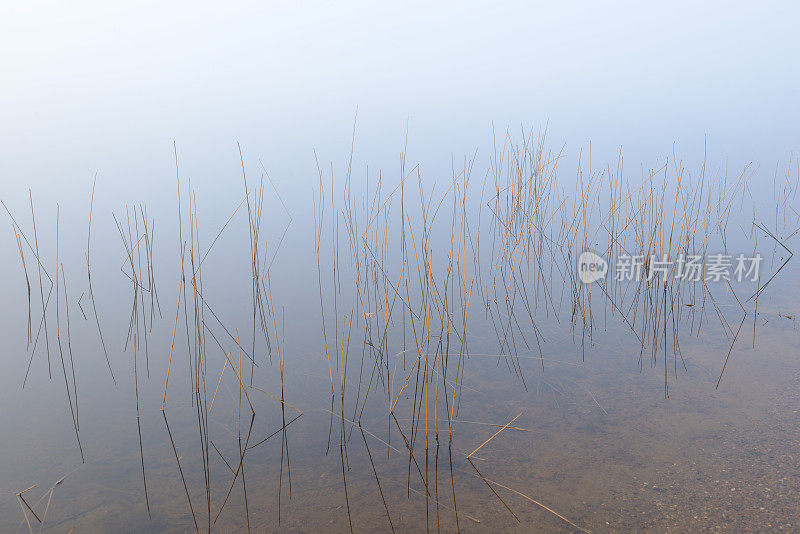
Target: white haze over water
<point>101,87</point>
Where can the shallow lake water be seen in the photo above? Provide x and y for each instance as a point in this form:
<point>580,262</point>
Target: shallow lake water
<point>580,433</point>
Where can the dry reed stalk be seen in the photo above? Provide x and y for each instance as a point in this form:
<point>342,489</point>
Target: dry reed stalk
<point>494,435</point>
<point>27,281</point>
<point>89,278</point>
<point>41,289</point>
<point>72,409</point>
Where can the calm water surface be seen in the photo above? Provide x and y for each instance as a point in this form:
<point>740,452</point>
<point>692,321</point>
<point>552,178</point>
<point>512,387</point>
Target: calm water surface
<point>595,441</point>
